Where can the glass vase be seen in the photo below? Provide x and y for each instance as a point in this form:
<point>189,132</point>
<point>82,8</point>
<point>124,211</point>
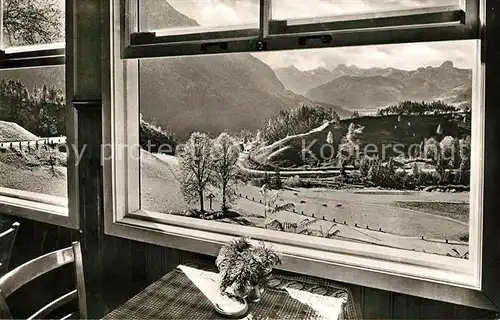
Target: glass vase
<point>255,293</point>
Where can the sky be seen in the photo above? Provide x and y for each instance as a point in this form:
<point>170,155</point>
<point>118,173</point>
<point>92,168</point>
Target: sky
<point>401,56</point>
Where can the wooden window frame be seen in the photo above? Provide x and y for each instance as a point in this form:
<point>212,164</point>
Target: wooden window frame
<point>55,210</point>
<point>443,23</point>
<point>427,276</point>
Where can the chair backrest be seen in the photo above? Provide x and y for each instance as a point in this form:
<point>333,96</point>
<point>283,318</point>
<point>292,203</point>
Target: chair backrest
<point>7,239</point>
<point>31,270</point>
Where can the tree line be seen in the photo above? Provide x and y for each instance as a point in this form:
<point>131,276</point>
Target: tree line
<point>154,138</point>
<point>41,111</point>
<point>408,107</point>
<point>296,121</point>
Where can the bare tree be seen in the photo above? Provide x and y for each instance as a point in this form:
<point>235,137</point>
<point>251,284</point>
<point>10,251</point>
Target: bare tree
<point>52,160</point>
<point>226,168</point>
<point>32,22</point>
<point>196,164</point>
<point>270,204</point>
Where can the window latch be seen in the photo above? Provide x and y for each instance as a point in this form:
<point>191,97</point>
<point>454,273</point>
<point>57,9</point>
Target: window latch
<point>221,45</point>
<point>325,39</point>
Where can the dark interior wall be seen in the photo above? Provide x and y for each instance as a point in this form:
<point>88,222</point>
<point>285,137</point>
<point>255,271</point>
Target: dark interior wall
<point>129,266</point>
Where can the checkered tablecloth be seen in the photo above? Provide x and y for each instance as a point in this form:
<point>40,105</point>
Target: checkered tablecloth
<point>174,296</point>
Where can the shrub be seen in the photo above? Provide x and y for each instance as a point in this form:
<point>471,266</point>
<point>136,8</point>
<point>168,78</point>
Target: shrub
<point>293,182</point>
<point>257,182</point>
<point>382,174</point>
<point>464,237</point>
<point>355,177</point>
<point>364,165</point>
<point>432,149</point>
<point>276,180</point>
<point>427,178</point>
<point>447,178</point>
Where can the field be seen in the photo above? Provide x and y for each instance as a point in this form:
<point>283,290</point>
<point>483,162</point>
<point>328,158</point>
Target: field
<point>41,170</point>
<point>384,217</point>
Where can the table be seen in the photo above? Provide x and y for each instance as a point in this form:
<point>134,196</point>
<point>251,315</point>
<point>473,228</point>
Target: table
<point>174,296</point>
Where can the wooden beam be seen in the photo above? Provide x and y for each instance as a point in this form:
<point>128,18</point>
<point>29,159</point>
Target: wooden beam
<point>491,206</point>
<point>85,75</point>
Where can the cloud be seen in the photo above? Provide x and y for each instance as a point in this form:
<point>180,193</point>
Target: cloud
<point>219,12</point>
<point>407,56</point>
<point>403,56</point>
<point>223,12</point>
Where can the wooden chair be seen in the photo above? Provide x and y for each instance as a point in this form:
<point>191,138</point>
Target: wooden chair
<point>7,239</point>
<point>31,270</point>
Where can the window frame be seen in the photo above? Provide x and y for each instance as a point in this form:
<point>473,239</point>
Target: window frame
<point>31,55</point>
<point>124,218</point>
<point>54,210</point>
<point>445,23</point>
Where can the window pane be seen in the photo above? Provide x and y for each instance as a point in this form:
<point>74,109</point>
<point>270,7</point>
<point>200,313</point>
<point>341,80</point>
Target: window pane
<point>189,16</point>
<point>31,22</point>
<point>32,130</point>
<point>287,9</point>
<point>367,144</point>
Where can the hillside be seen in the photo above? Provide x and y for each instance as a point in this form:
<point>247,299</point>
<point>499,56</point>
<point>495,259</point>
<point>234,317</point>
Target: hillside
<point>10,131</point>
<point>356,92</point>
<point>345,87</point>
<point>288,151</point>
<point>388,131</point>
<point>299,81</point>
<point>40,170</point>
<point>209,93</point>
<point>386,134</point>
<point>51,76</point>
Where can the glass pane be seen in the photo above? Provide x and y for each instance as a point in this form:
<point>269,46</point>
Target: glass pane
<point>191,16</point>
<point>31,22</point>
<point>32,130</point>
<point>368,144</point>
<point>288,9</point>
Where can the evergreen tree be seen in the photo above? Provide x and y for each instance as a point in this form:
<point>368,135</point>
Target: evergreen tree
<point>439,130</point>
<point>329,138</point>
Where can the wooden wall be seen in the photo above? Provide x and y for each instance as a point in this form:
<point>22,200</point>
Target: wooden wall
<point>129,266</point>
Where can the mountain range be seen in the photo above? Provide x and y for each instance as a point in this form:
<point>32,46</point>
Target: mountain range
<point>238,91</point>
<point>209,93</point>
<point>355,88</point>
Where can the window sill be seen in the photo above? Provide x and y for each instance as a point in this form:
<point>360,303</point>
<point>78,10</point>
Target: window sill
<point>38,207</point>
<point>334,266</point>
